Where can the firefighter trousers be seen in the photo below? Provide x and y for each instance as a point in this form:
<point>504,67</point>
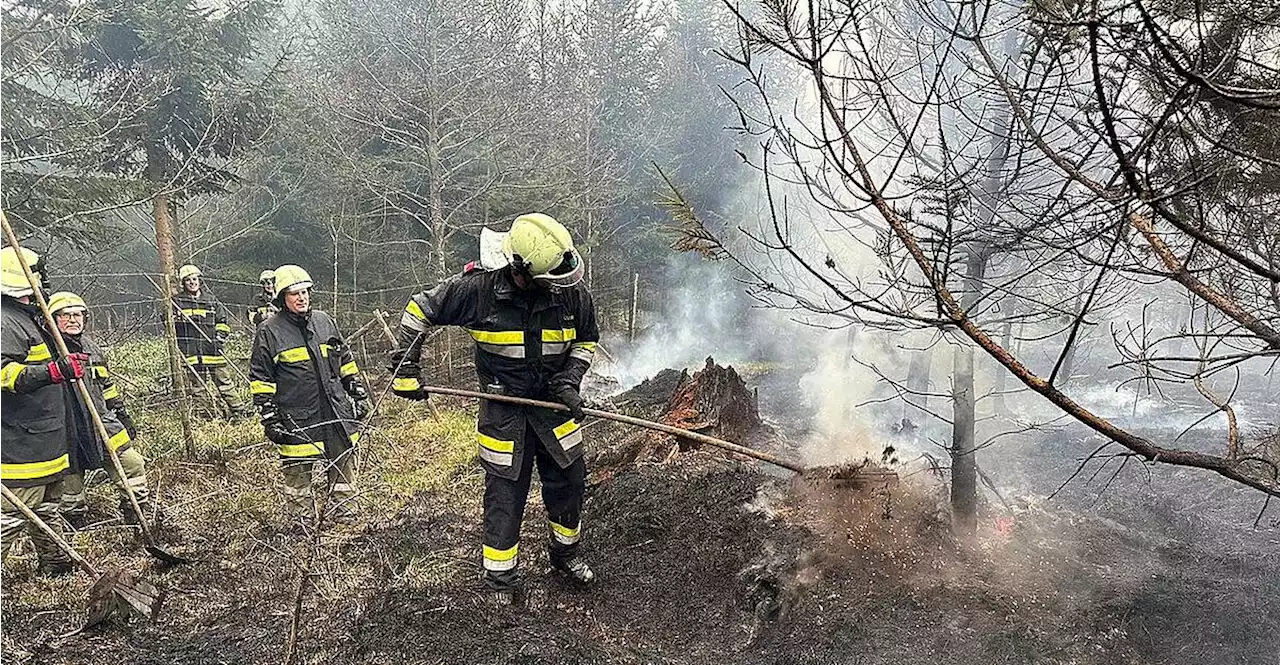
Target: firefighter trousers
<point>217,378</point>
<point>43,500</point>
<point>504,502</point>
<point>75,497</point>
<point>339,474</point>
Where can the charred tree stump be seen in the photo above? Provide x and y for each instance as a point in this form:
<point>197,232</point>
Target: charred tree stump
<point>714,400</point>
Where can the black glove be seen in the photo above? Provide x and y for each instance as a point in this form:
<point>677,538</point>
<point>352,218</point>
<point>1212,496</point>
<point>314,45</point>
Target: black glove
<point>274,427</point>
<point>127,420</point>
<point>409,387</point>
<point>362,408</point>
<point>568,396</point>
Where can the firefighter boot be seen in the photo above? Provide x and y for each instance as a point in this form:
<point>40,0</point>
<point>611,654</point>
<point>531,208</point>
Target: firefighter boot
<point>575,568</point>
<point>502,588</point>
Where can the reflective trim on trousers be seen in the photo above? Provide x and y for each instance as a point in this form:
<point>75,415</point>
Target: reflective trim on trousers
<point>206,360</point>
<point>313,449</point>
<point>344,488</point>
<point>499,560</point>
<point>565,535</point>
<point>504,350</point>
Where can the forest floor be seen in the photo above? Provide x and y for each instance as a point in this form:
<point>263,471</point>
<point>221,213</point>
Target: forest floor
<point>701,559</point>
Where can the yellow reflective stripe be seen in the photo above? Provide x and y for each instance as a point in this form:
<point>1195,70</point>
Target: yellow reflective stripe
<point>324,350</point>
<point>100,371</point>
<point>586,346</point>
<point>206,360</point>
<point>197,312</point>
<point>405,384</point>
<point>569,427</point>
<point>349,369</point>
<point>223,327</point>
<point>294,355</point>
<point>354,438</point>
<point>262,388</point>
<point>495,554</point>
<point>111,392</point>
<point>302,449</point>
<point>119,439</point>
<point>9,375</point>
<point>413,309</point>
<point>563,335</point>
<point>566,531</point>
<point>33,470</point>
<point>497,336</point>
<point>496,445</point>
<point>38,352</point>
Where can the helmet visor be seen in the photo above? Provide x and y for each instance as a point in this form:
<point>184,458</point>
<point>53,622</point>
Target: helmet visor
<point>569,273</point>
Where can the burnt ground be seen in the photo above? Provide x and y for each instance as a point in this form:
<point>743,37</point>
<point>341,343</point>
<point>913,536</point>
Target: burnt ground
<point>701,560</point>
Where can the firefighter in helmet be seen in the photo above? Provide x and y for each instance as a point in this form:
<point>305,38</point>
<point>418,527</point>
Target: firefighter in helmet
<point>534,326</point>
<point>308,391</point>
<point>202,335</point>
<point>71,313</point>
<point>263,300</point>
<point>32,412</point>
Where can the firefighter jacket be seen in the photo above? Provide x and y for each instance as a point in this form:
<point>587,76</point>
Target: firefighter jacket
<point>33,409</point>
<point>85,445</point>
<point>528,343</point>
<point>262,307</point>
<point>201,325</point>
<point>302,370</point>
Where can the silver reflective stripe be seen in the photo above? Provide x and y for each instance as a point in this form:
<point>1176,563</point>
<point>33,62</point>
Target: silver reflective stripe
<point>506,350</point>
<point>297,491</point>
<point>412,322</point>
<point>571,439</point>
<point>491,564</point>
<point>564,535</point>
<point>138,482</point>
<point>554,348</point>
<point>343,487</point>
<point>581,353</point>
<point>495,457</point>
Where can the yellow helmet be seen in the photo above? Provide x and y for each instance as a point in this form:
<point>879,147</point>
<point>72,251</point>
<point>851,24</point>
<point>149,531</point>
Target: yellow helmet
<point>542,247</point>
<point>66,300</point>
<point>15,282</point>
<point>266,275</point>
<point>188,271</point>
<point>288,278</point>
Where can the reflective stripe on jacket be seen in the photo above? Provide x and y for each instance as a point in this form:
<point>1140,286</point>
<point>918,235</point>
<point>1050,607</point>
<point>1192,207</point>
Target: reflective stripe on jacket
<point>297,370</point>
<point>33,409</point>
<point>199,320</point>
<point>527,344</point>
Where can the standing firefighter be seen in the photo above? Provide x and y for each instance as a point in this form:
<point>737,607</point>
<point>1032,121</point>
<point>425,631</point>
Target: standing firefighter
<point>202,334</point>
<point>71,314</point>
<point>263,300</point>
<point>535,331</point>
<point>32,412</point>
<point>304,381</point>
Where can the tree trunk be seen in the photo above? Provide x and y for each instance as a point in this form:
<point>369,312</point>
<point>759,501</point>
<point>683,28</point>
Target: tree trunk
<point>164,245</point>
<point>919,373</point>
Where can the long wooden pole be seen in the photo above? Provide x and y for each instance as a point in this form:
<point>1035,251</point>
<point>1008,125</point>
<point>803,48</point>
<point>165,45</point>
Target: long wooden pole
<point>87,399</point>
<point>629,420</point>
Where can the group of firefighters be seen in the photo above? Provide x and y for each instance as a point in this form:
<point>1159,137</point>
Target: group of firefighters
<point>535,333</point>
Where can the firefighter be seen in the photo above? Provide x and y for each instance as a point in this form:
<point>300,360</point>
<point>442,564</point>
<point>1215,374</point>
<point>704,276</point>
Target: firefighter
<point>71,314</point>
<point>535,331</point>
<point>32,413</point>
<point>308,391</point>
<point>202,335</point>
<point>263,305</point>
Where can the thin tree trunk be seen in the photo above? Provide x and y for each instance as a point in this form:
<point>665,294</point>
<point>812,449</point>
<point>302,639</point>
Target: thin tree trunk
<point>964,463</point>
<point>164,245</point>
<point>919,373</point>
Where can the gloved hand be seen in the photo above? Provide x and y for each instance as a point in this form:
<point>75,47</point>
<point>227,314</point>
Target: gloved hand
<point>127,421</point>
<point>67,369</point>
<point>274,427</point>
<point>221,336</point>
<point>415,393</point>
<point>569,396</point>
<point>362,408</point>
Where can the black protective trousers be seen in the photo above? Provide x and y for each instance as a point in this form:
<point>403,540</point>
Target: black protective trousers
<point>504,502</point>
